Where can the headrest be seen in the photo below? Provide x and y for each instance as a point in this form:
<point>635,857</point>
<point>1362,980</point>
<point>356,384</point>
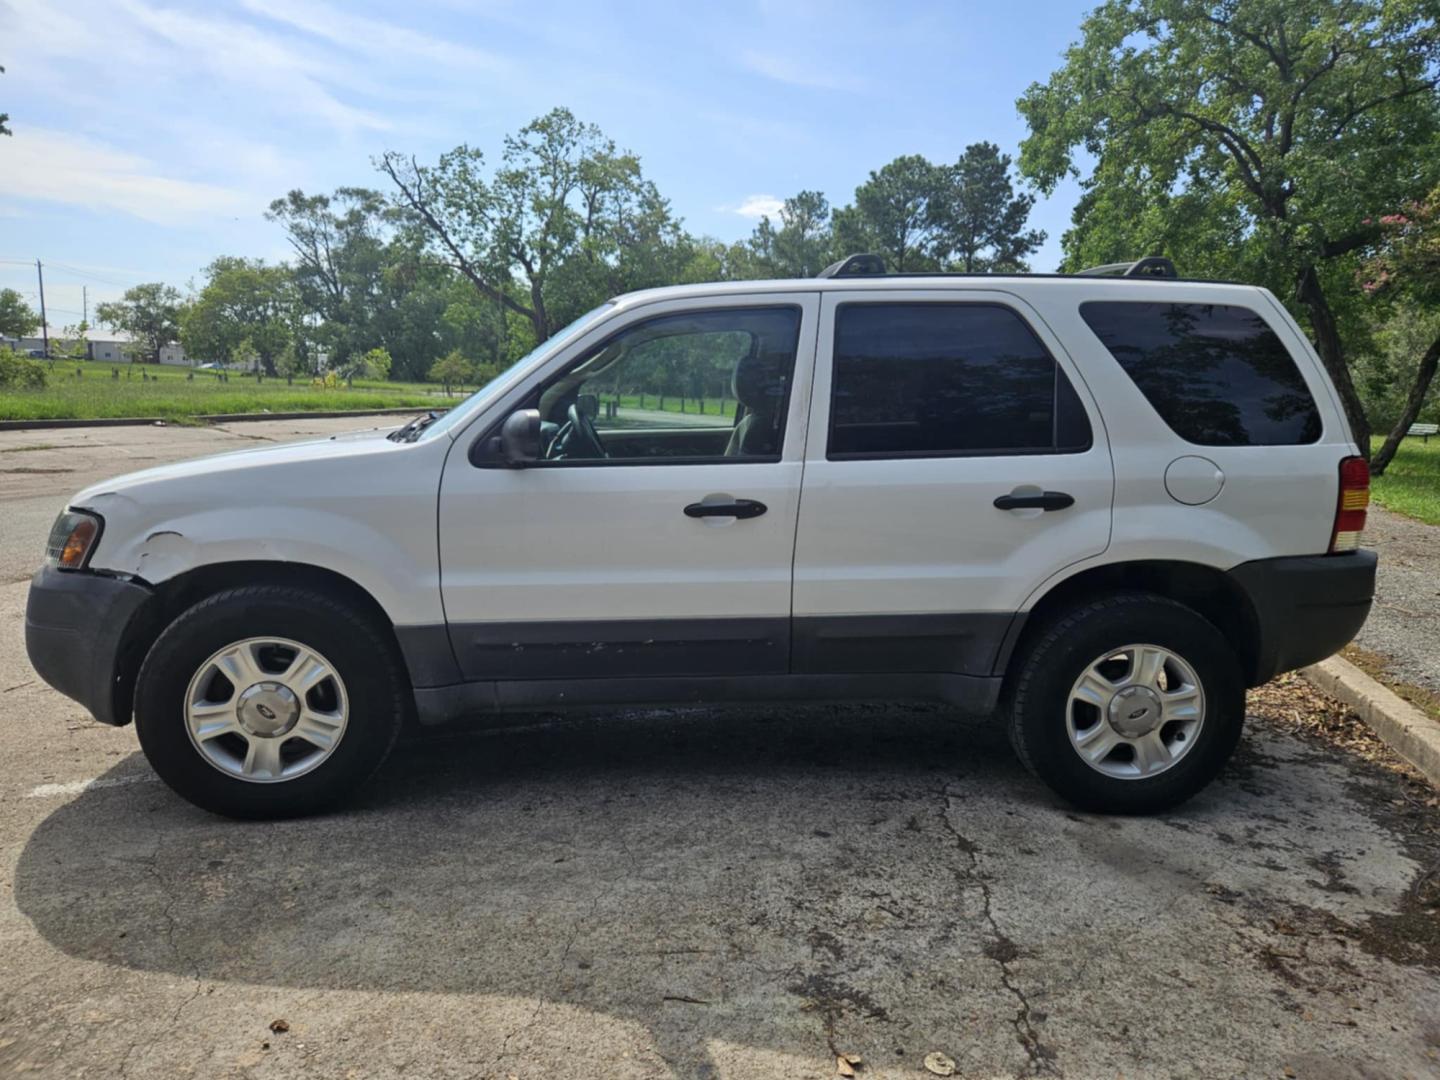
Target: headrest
<point>759,382</point>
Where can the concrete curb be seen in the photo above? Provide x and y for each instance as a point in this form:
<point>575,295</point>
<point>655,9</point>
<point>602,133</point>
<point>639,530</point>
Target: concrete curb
<point>1403,727</point>
<point>211,418</point>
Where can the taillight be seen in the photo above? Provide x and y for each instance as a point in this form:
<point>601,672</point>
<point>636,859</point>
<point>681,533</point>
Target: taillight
<point>1350,507</point>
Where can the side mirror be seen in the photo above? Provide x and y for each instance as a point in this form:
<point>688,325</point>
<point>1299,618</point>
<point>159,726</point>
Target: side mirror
<point>520,438</point>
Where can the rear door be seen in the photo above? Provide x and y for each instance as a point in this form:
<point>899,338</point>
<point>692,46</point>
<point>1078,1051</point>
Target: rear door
<point>955,462</point>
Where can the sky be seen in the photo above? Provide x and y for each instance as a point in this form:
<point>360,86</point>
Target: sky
<point>150,135</point>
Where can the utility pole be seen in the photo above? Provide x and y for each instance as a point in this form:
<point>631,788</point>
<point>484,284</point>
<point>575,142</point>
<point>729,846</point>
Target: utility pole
<point>84,305</point>
<point>44,326</point>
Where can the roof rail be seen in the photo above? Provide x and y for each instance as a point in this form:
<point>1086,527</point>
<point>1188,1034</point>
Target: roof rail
<point>855,266</point>
<point>1150,266</point>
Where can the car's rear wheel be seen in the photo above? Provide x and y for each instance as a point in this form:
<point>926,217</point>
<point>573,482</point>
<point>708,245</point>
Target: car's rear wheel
<point>269,701</point>
<point>1129,704</point>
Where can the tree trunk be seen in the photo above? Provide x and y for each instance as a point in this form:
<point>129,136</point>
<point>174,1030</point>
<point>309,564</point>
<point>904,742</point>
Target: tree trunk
<point>1418,389</point>
<point>538,318</point>
<point>1332,354</point>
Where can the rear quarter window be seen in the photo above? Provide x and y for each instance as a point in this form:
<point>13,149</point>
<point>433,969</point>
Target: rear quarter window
<point>1216,373</point>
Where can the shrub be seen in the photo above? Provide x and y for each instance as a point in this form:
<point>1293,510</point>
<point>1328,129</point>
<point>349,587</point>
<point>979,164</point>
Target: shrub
<point>20,372</point>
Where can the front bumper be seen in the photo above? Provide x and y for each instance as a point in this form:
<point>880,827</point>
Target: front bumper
<point>1306,607</point>
<point>76,624</point>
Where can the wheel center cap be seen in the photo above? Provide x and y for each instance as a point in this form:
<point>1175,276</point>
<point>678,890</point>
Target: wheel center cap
<point>267,709</point>
<point>1135,711</point>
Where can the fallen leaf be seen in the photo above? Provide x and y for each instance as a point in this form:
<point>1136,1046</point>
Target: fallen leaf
<point>939,1064</point>
<point>842,1067</point>
<point>853,1059</point>
<point>279,1026</point>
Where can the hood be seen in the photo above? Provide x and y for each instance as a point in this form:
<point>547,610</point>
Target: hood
<point>346,444</point>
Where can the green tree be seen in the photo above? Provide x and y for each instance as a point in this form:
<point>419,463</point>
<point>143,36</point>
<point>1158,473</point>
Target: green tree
<point>896,214</point>
<point>243,300</point>
<point>241,355</point>
<point>342,250</point>
<point>1407,266</point>
<point>1288,121</point>
<point>800,247</point>
<point>374,364</point>
<point>566,219</point>
<point>288,362</point>
<point>981,218</point>
<point>17,318</point>
<point>69,344</point>
<point>452,369</point>
<point>149,313</point>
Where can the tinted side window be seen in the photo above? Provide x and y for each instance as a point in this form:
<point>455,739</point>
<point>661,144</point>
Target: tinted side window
<point>942,380</point>
<point>1217,374</point>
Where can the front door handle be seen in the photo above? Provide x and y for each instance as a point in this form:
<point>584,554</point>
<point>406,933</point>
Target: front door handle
<point>739,508</point>
<point>1045,500</point>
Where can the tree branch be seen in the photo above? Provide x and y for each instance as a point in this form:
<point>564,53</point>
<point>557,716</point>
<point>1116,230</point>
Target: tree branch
<point>413,197</point>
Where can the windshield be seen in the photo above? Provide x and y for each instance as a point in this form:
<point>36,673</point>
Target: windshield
<point>462,412</point>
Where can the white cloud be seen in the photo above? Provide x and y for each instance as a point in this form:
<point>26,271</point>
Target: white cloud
<point>57,167</point>
<point>373,37</point>
<point>793,72</point>
<point>758,206</point>
<point>258,61</point>
<point>146,47</point>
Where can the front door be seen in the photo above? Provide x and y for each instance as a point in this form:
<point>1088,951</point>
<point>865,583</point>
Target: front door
<point>655,535</point>
<point>955,462</point>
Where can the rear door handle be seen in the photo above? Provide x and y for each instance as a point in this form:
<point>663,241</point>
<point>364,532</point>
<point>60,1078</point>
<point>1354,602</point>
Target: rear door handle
<point>739,508</point>
<point>1046,500</point>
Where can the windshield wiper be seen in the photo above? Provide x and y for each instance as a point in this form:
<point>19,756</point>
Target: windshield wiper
<point>413,428</point>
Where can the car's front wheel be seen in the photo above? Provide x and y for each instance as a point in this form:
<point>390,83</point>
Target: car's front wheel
<point>269,701</point>
<point>1129,704</point>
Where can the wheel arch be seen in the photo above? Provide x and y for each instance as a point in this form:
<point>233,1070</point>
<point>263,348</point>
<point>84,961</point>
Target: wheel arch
<point>1211,592</point>
<point>174,595</point>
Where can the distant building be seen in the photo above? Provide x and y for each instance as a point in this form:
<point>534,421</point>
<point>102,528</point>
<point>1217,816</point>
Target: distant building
<point>105,345</point>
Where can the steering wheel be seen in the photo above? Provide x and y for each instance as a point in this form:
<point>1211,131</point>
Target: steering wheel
<point>578,438</point>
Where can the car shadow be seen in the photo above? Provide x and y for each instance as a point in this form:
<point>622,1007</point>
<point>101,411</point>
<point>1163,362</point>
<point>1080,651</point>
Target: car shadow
<point>790,879</point>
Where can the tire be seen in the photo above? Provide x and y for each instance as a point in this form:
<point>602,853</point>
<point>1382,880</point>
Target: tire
<point>357,697</point>
<point>1056,718</point>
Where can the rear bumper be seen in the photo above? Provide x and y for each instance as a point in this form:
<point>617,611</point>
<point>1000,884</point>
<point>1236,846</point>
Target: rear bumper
<point>1306,607</point>
<point>75,627</point>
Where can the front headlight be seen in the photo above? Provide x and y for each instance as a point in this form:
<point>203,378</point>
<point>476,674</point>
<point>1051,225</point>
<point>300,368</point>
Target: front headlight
<point>72,538</point>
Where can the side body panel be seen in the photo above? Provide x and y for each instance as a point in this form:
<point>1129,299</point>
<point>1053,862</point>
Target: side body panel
<point>1273,500</point>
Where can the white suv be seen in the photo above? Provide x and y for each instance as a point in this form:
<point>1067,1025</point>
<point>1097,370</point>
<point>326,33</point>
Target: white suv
<point>1100,505</point>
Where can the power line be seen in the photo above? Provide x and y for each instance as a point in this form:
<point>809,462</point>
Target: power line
<point>92,275</point>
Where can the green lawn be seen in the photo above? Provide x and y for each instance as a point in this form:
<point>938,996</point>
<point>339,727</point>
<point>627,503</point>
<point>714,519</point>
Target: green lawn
<point>1411,485</point>
<point>167,392</point>
<point>708,407</point>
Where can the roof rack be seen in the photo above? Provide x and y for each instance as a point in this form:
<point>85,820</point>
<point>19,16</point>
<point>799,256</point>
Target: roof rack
<point>1150,266</point>
<point>855,266</point>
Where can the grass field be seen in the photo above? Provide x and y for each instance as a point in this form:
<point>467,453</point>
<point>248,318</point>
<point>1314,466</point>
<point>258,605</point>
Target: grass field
<point>167,392</point>
<point>708,407</point>
<point>1411,485</point>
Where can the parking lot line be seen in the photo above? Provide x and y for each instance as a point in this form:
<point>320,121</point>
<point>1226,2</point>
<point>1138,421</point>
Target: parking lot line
<point>75,787</point>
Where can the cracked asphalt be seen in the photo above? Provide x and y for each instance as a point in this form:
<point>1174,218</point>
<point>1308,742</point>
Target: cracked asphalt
<point>691,893</point>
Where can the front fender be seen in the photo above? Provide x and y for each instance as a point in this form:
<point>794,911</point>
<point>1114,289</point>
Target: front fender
<point>396,564</point>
